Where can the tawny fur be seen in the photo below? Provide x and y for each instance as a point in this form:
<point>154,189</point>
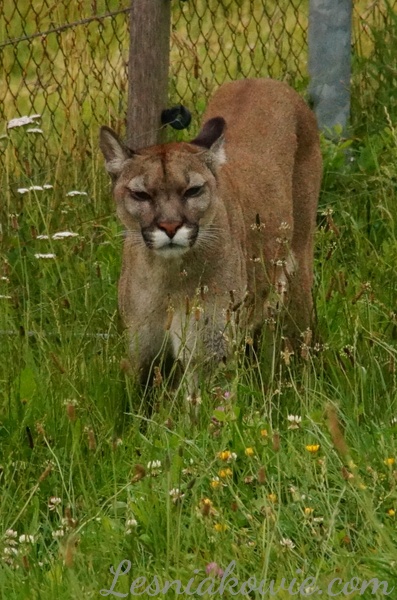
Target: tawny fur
<point>255,215</point>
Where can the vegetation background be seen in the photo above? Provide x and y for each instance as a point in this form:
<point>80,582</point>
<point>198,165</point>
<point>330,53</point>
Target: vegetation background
<point>299,473</point>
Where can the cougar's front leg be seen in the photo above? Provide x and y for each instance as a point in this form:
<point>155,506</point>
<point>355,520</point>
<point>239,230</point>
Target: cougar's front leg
<point>199,341</point>
<point>146,346</point>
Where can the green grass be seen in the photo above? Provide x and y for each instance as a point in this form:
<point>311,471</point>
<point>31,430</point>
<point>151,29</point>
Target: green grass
<point>62,393</point>
<point>73,426</point>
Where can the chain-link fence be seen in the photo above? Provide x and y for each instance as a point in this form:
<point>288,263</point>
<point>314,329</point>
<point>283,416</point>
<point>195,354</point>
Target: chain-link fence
<point>68,61</point>
<point>214,41</point>
<point>374,81</point>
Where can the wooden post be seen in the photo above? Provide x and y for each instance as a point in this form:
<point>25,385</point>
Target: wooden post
<point>150,25</point>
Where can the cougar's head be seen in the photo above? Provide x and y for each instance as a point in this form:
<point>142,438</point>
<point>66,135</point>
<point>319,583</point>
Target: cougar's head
<point>166,195</point>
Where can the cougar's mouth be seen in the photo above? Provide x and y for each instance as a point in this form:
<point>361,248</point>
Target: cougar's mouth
<point>170,243</point>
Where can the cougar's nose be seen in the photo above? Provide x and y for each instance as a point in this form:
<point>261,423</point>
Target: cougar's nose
<point>170,227</point>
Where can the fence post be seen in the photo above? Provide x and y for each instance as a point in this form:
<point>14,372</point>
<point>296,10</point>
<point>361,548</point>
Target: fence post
<point>330,25</point>
<point>150,23</point>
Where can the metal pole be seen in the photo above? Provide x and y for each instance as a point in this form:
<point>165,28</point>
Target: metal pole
<point>330,25</point>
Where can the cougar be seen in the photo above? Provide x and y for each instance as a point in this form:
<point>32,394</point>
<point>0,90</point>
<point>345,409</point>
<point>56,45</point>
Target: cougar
<point>218,231</point>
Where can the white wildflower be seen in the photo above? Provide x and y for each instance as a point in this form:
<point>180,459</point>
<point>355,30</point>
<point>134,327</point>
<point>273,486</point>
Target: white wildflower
<point>4,297</point>
<point>70,402</point>
<point>327,212</point>
<point>76,193</point>
<point>64,234</point>
<point>8,551</point>
<point>295,421</point>
<point>310,590</point>
<point>194,399</point>
<point>131,524</point>
<point>34,130</point>
<point>176,494</point>
<point>53,502</point>
<point>26,539</point>
<point>43,237</point>
<point>284,226</point>
<point>21,121</point>
<point>38,255</point>
<point>11,533</point>
<point>154,465</point>
<point>202,290</point>
<point>287,543</point>
<point>258,226</point>
<point>35,188</point>
<point>58,533</point>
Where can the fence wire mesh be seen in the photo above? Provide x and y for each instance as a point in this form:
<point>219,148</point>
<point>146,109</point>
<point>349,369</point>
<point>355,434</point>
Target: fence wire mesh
<point>68,61</point>
<point>217,41</point>
<point>374,80</point>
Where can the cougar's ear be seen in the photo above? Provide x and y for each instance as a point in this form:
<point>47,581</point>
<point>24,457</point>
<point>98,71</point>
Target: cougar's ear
<point>114,151</point>
<point>212,138</point>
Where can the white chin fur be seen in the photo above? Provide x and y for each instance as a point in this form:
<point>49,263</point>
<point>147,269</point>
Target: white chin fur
<point>171,251</point>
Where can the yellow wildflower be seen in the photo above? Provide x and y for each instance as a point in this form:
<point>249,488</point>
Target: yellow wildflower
<point>215,483</point>
<point>220,527</point>
<point>308,511</point>
<point>272,498</point>
<point>223,473</point>
<point>227,456</point>
<point>391,512</point>
<point>389,461</point>
<point>249,452</point>
<point>264,432</point>
<point>313,448</point>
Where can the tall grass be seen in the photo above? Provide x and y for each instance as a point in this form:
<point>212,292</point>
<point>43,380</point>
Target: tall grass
<point>235,479</point>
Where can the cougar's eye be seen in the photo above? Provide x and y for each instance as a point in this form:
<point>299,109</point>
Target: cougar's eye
<point>193,191</point>
<point>140,196</point>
